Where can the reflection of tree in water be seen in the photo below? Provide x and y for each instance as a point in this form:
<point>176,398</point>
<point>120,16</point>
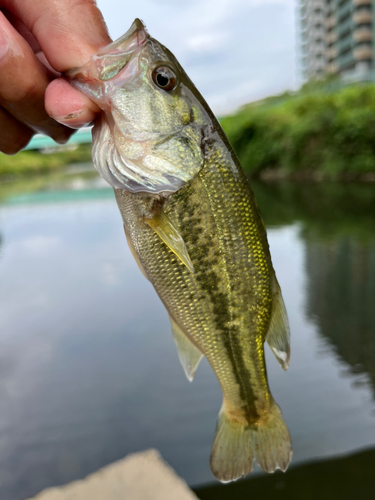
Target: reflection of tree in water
<point>341,297</point>
<point>338,227</point>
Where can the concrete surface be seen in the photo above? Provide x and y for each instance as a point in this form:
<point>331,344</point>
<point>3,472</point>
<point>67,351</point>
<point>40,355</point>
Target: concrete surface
<point>142,476</point>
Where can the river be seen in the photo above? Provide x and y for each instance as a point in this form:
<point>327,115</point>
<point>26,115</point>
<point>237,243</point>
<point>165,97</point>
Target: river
<point>88,367</point>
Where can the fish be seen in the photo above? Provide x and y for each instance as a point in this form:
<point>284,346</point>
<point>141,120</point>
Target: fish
<point>195,230</point>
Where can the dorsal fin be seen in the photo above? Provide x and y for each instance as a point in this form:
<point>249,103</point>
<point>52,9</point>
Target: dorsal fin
<point>164,228</point>
<point>278,335</point>
<point>189,355</point>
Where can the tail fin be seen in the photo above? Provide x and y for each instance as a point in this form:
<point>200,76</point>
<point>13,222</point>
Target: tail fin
<point>236,445</point>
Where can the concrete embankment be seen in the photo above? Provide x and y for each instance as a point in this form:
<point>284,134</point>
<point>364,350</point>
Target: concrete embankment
<point>142,476</point>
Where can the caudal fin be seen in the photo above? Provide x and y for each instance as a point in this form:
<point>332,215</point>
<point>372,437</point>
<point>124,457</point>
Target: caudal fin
<point>236,445</point>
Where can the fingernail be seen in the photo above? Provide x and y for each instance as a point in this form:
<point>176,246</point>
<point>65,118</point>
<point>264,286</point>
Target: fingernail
<point>70,117</point>
<point>3,44</point>
<point>73,120</point>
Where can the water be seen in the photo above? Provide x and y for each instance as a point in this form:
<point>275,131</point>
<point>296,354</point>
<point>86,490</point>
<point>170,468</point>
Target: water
<point>88,368</point>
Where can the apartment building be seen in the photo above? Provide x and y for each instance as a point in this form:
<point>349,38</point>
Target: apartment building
<point>337,38</point>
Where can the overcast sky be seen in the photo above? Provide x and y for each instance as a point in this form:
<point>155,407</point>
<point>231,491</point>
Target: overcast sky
<point>235,51</point>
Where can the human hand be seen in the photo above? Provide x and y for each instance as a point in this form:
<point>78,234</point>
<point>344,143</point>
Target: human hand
<point>40,39</point>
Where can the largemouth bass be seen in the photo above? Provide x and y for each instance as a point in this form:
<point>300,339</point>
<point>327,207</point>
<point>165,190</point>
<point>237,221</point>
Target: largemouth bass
<point>194,228</point>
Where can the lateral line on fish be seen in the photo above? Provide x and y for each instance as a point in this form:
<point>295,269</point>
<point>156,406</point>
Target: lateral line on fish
<point>260,351</point>
<point>232,354</point>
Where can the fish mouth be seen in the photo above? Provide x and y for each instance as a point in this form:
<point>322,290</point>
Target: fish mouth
<point>136,36</point>
<point>109,60</point>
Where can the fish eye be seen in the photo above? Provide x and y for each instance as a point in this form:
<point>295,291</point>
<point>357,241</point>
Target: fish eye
<point>164,78</point>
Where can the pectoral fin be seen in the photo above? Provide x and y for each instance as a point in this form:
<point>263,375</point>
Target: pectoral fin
<point>164,228</point>
<point>278,335</point>
<point>189,355</point>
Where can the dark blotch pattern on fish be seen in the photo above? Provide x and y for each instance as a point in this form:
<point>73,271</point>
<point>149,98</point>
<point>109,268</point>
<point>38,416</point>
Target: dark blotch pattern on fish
<point>207,274</point>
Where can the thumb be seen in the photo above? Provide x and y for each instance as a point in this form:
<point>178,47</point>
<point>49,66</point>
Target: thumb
<point>68,31</point>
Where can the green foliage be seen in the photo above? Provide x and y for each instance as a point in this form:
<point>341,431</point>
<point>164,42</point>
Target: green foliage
<point>33,162</point>
<point>316,135</point>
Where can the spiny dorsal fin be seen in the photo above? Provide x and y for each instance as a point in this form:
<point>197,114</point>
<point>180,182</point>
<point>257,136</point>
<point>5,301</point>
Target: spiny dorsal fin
<point>278,335</point>
<point>189,355</point>
<point>164,228</point>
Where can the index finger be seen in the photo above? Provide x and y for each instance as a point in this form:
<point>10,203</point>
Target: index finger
<point>68,31</point>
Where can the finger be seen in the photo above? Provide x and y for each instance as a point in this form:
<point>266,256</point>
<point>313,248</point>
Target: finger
<point>22,30</point>
<point>23,82</point>
<point>68,31</point>
<point>14,135</point>
<point>69,106</point>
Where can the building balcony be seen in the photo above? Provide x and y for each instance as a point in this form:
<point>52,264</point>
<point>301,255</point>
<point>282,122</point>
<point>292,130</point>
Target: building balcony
<point>332,68</point>
<point>362,53</point>
<point>362,35</point>
<point>319,4</point>
<point>344,11</point>
<point>331,37</point>
<point>331,53</point>
<point>362,17</point>
<point>361,2</point>
<point>330,22</point>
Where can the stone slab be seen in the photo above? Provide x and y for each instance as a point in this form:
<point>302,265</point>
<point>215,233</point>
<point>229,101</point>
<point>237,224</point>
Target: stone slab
<point>141,476</point>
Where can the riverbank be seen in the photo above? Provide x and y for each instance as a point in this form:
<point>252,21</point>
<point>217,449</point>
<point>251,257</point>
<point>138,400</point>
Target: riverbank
<point>31,163</point>
<point>313,135</point>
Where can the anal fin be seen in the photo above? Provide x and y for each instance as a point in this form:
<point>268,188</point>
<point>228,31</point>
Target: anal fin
<point>278,335</point>
<point>188,354</point>
<point>164,228</point>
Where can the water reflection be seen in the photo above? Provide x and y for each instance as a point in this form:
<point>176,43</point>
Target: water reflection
<point>341,295</point>
<point>88,369</point>
<point>338,230</point>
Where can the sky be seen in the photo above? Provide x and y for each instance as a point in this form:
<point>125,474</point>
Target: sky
<point>235,51</point>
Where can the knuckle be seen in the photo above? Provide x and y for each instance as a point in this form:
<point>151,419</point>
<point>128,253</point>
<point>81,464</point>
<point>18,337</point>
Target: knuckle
<point>24,93</point>
<point>27,92</point>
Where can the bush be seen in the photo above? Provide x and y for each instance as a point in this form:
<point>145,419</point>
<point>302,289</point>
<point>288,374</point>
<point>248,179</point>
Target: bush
<point>327,135</point>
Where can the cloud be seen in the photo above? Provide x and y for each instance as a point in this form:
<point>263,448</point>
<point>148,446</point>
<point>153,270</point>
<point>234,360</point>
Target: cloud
<point>41,244</point>
<point>235,51</point>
